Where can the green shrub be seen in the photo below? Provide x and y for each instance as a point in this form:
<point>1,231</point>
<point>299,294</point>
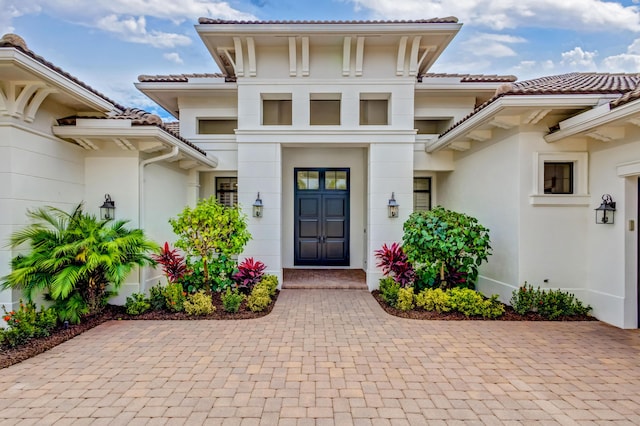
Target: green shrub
<point>156,298</point>
<point>259,298</point>
<point>389,290</point>
<point>210,229</point>
<point>471,303</point>
<point>231,300</point>
<point>170,297</point>
<point>26,323</point>
<point>551,304</point>
<point>271,282</point>
<point>433,299</point>
<point>405,299</point>
<point>198,304</point>
<point>445,248</point>
<point>137,304</point>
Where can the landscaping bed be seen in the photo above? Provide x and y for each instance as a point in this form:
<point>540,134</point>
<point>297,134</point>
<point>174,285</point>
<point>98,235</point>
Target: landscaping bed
<point>36,346</point>
<point>509,314</point>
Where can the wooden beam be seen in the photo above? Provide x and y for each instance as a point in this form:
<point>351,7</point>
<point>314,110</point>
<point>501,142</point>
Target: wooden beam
<point>413,60</point>
<point>480,135</point>
<point>293,60</point>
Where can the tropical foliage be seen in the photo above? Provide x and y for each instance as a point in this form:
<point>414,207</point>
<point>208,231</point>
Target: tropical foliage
<point>249,274</point>
<point>73,258</point>
<point>446,248</point>
<point>210,229</point>
<point>172,262</point>
<point>394,263</point>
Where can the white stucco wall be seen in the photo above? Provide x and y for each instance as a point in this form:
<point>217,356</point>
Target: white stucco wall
<point>612,249</point>
<point>486,185</point>
<point>36,170</point>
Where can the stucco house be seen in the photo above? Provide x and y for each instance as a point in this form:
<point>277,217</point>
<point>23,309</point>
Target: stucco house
<point>325,123</point>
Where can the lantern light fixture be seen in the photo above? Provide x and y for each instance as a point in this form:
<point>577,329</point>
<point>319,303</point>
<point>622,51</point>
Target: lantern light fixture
<point>257,207</point>
<point>108,208</point>
<point>605,214</point>
<point>393,206</point>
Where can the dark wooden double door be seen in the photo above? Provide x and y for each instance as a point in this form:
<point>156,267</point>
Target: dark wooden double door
<point>321,217</point>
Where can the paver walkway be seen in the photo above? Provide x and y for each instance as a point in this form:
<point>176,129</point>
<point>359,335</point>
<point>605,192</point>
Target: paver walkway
<point>330,357</point>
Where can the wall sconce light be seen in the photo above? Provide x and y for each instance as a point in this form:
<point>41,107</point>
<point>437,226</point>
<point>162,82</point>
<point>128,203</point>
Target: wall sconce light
<point>108,208</point>
<point>606,212</point>
<point>393,206</point>
<point>257,207</point>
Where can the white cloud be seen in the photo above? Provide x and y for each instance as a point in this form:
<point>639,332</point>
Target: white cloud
<point>127,19</point>
<point>578,58</point>
<point>173,57</point>
<point>492,45</point>
<point>624,62</point>
<point>580,15</point>
<point>135,31</point>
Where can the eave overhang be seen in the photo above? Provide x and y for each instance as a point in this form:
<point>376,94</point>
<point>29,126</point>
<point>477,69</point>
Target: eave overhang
<point>511,105</point>
<point>167,94</point>
<point>590,120</point>
<point>144,138</point>
<point>29,69</point>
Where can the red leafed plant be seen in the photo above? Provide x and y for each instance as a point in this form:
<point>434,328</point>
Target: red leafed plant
<point>173,263</point>
<point>249,274</point>
<point>394,263</point>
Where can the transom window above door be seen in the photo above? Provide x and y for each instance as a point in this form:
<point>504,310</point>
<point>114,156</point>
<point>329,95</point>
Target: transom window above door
<point>322,180</point>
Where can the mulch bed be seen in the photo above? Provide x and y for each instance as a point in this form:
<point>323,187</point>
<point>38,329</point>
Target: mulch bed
<point>509,314</point>
<point>10,356</point>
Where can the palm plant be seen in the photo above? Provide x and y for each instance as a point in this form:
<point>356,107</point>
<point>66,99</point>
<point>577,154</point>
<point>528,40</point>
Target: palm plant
<point>73,257</point>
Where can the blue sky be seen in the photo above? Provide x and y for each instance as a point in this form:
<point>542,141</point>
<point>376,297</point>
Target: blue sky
<point>108,43</point>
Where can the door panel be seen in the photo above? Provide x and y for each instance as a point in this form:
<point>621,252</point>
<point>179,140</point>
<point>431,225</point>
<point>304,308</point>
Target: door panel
<point>321,229</point>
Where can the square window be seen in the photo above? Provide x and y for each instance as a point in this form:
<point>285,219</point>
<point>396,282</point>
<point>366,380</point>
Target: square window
<point>276,112</point>
<point>324,112</point>
<point>558,178</point>
<point>227,191</point>
<point>309,180</point>
<point>374,111</point>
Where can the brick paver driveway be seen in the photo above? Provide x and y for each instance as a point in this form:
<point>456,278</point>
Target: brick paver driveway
<point>330,357</point>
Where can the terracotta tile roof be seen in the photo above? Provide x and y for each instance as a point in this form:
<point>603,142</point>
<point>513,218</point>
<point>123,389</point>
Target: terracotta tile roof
<point>16,42</point>
<point>445,20</point>
<point>172,126</point>
<point>626,98</point>
<point>565,84</point>
<point>180,78</point>
<point>139,117</point>
<point>473,78</point>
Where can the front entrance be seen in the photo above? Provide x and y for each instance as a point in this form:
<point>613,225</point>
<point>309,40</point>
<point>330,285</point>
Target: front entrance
<point>321,231</point>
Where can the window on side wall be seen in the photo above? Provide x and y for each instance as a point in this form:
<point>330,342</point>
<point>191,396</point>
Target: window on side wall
<point>421,194</point>
<point>558,178</point>
<point>227,191</point>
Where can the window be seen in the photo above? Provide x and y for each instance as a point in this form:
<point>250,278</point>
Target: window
<point>276,109</point>
<point>558,178</point>
<point>421,194</point>
<point>335,180</point>
<point>227,191</point>
<point>324,109</point>
<point>307,179</point>
<point>216,127</point>
<point>374,109</point>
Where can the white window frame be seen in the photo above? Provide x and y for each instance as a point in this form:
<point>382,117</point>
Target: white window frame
<point>580,196</point>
